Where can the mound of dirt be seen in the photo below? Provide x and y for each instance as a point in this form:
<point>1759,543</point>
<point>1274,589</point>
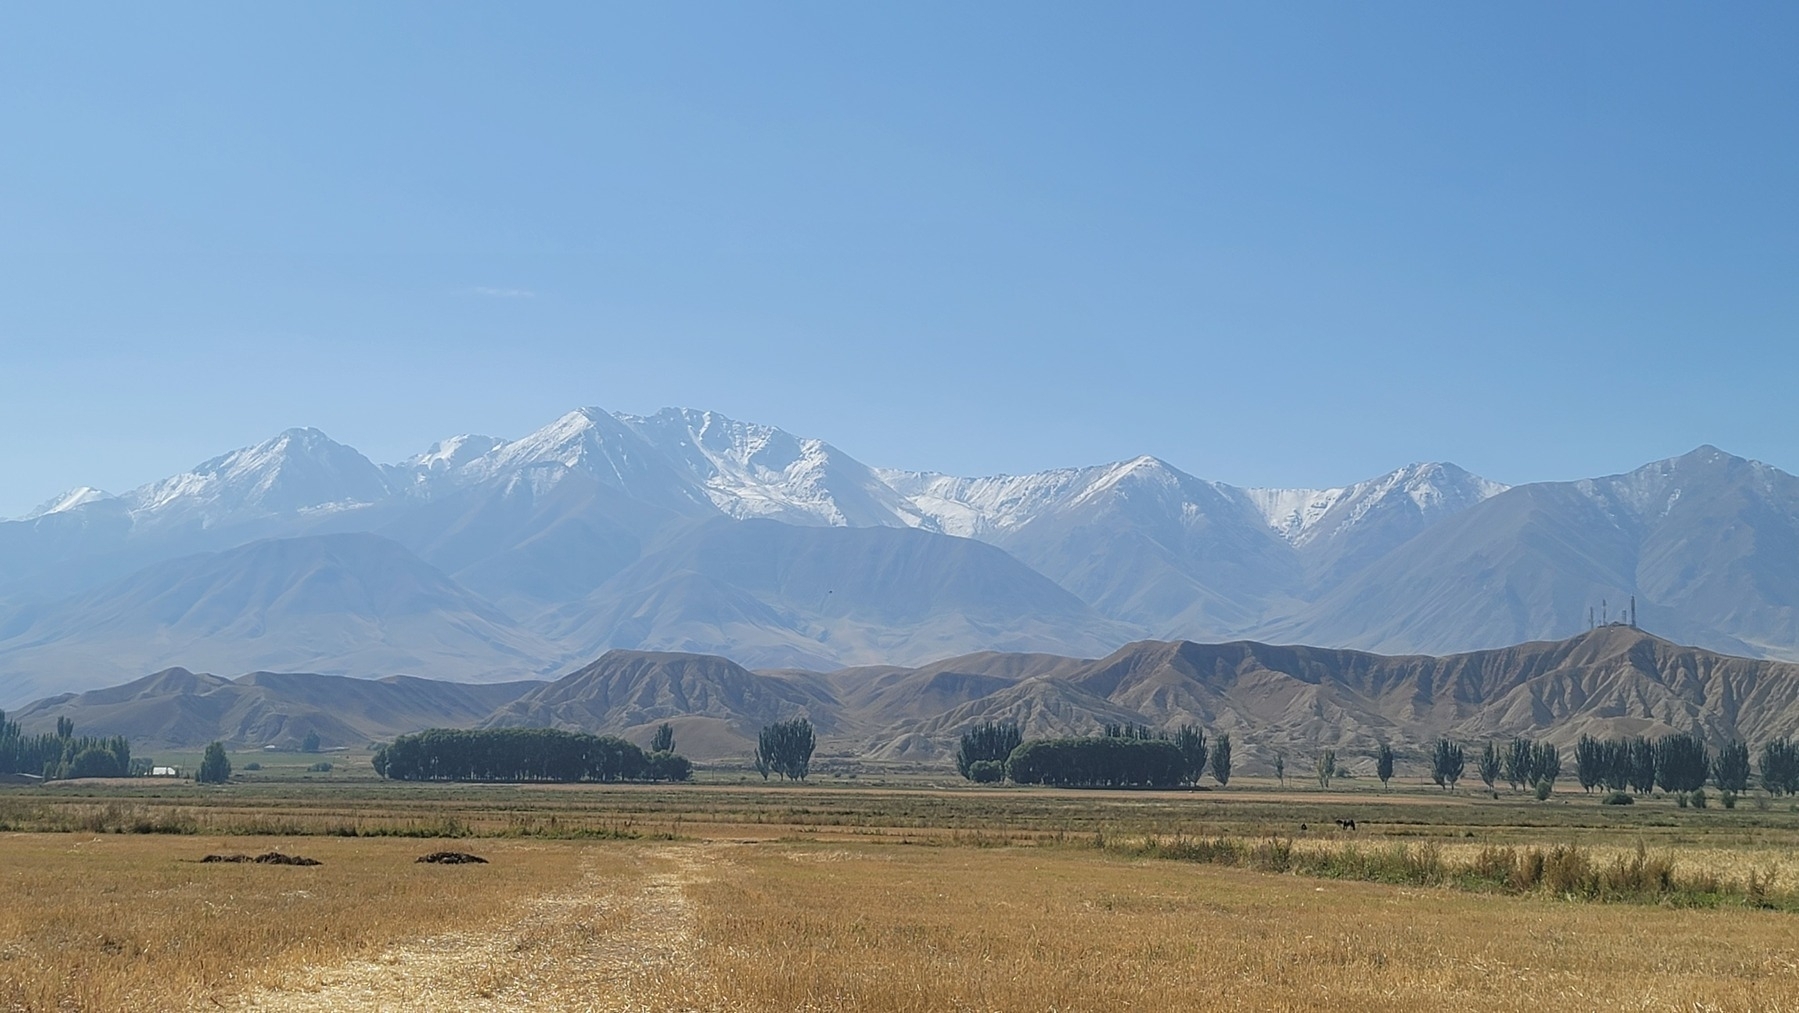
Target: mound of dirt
<point>277,858</point>
<point>452,858</point>
<point>269,858</point>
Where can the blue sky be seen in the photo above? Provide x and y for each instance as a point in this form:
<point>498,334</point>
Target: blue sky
<point>1274,245</point>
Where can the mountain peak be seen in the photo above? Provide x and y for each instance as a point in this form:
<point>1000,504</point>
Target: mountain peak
<point>1429,489</point>
<point>296,470</point>
<point>77,497</point>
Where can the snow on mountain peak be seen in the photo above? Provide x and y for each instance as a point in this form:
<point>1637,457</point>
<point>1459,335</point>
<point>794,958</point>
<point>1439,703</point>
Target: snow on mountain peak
<point>77,497</point>
<point>698,462</point>
<point>1431,489</point>
<point>993,505</point>
<point>748,469</point>
<point>297,470</point>
<point>453,453</point>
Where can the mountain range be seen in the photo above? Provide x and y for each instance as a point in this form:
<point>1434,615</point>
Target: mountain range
<point>1272,700</point>
<point>490,560</point>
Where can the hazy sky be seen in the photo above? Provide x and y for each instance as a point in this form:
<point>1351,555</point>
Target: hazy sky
<point>1272,244</point>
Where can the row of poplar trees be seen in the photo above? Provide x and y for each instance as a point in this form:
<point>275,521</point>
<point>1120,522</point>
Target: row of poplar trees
<point>527,754</point>
<point>61,755</point>
<point>1124,756</point>
<point>1682,763</point>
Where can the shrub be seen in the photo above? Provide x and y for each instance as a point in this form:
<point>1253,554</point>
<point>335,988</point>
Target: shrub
<point>1568,870</point>
<point>1698,797</point>
<point>1729,798</point>
<point>1618,798</point>
<point>252,765</point>
<point>322,767</point>
<point>987,771</point>
<point>1543,790</point>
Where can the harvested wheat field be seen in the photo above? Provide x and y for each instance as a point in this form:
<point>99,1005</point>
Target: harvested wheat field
<point>129,922</point>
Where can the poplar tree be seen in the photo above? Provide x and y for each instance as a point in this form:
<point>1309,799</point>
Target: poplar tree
<point>215,766</point>
<point>1221,760</point>
<point>1489,765</point>
<point>785,748</point>
<point>1447,764</point>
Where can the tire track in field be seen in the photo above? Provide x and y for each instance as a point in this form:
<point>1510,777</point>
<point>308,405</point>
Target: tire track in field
<point>614,943</point>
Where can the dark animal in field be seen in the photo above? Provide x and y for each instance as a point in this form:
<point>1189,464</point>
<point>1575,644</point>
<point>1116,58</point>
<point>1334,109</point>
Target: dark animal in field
<point>452,858</point>
<point>1302,826</point>
<point>1346,824</point>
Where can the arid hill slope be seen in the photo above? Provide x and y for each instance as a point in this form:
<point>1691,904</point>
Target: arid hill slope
<point>1271,699</point>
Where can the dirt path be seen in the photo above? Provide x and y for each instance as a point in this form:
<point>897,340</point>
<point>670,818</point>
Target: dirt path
<point>617,942</point>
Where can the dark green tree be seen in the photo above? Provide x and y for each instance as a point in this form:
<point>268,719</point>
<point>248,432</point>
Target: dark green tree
<point>215,766</point>
<point>1191,741</point>
<point>1545,764</point>
<point>785,748</point>
<point>1732,769</point>
<point>94,761</point>
<point>664,739</point>
<point>1280,768</point>
<point>1327,768</point>
<point>522,754</point>
<point>1221,760</point>
<point>310,744</point>
<point>1447,764</point>
<point>990,742</point>
<point>1489,766</point>
<point>1780,767</point>
<point>1640,765</point>
<point>667,765</point>
<point>1383,764</point>
<point>1589,762</point>
<point>1100,761</point>
<point>1682,763</point>
<point>1520,763</point>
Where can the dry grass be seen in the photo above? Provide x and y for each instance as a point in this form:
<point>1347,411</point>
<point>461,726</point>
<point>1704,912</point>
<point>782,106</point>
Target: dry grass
<point>134,923</point>
<point>899,929</point>
<point>854,900</point>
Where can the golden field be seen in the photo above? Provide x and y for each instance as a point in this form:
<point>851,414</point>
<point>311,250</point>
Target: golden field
<point>728,897</point>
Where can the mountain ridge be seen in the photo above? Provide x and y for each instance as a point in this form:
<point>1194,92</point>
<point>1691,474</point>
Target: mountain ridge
<point>1273,699</point>
<point>581,536</point>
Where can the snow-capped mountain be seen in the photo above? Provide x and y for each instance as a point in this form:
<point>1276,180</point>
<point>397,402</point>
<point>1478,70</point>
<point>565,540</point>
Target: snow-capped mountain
<point>1707,543</point>
<point>77,497</point>
<point>749,470</point>
<point>1339,530</point>
<point>299,471</point>
<point>442,462</point>
<point>604,529</point>
<point>1303,516</point>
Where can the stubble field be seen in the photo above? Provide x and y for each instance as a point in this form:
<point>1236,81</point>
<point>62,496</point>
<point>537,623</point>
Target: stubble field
<point>728,896</point>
